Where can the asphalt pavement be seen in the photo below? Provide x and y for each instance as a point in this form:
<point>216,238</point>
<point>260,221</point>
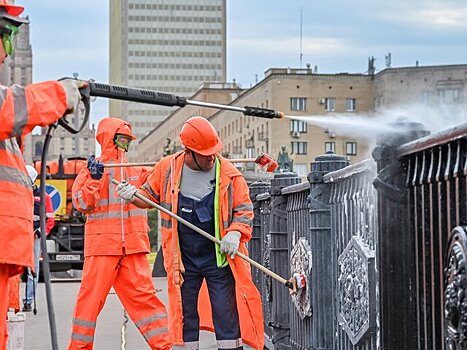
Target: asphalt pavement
<point>110,324</point>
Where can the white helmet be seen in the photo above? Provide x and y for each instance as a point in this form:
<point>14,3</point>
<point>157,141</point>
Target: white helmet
<point>32,173</point>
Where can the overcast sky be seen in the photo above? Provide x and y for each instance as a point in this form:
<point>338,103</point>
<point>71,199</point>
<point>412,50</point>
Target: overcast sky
<point>337,36</point>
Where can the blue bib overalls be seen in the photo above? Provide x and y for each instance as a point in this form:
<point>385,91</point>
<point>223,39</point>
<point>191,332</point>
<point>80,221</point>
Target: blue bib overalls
<point>199,259</point>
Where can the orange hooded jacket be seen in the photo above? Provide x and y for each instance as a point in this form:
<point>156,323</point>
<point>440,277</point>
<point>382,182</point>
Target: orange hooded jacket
<point>21,109</point>
<point>235,205</point>
<point>111,222</point>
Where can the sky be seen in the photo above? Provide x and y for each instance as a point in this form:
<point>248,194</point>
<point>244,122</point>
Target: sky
<point>336,36</point>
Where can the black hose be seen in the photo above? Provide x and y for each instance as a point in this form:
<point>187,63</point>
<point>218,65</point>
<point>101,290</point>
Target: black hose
<point>45,256</point>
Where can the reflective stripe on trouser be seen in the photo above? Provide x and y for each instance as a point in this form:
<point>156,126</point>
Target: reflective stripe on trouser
<point>4,275</point>
<point>131,279</point>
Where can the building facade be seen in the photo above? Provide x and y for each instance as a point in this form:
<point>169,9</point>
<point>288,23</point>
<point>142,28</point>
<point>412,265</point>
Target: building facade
<point>167,46</point>
<point>163,139</point>
<point>300,92</point>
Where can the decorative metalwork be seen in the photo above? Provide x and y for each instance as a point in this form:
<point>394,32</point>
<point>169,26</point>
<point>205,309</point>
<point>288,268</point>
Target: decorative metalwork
<point>300,263</point>
<point>455,282</point>
<point>355,288</point>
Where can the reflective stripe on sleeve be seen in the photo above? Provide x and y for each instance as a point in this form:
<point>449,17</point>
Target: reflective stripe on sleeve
<point>21,110</point>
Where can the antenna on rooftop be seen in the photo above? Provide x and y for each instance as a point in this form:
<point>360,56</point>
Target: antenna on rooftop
<point>388,60</point>
<point>301,35</point>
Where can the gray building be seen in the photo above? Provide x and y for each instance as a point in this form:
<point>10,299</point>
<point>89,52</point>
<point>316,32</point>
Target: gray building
<point>169,46</point>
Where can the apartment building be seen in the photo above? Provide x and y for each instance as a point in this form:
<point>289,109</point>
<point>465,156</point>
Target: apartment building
<point>163,139</point>
<point>300,92</point>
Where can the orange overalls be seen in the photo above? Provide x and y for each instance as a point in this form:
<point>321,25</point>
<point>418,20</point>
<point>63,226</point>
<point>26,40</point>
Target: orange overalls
<point>115,247</point>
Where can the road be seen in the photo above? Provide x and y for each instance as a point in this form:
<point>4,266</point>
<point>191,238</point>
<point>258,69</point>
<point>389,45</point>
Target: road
<point>109,323</point>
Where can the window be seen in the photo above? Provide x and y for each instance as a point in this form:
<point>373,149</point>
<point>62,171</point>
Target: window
<point>301,169</point>
<point>298,103</point>
<point>298,126</point>
<point>450,95</point>
<point>330,104</point>
<point>299,147</point>
<point>330,147</point>
<point>350,105</point>
<point>351,148</point>
<point>427,97</point>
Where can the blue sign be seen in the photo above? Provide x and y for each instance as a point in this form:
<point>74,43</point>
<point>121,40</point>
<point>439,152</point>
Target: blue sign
<point>55,195</point>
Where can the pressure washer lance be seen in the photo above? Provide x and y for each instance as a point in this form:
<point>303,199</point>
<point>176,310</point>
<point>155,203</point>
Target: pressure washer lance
<point>287,283</point>
<point>166,99</point>
<point>263,160</point>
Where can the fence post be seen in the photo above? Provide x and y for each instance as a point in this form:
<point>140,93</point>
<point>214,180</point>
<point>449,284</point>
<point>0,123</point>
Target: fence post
<point>320,280</point>
<point>396,246</point>
<point>279,304</point>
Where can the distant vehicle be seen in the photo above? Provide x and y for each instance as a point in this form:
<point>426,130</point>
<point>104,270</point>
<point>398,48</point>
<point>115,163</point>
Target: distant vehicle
<point>65,244</point>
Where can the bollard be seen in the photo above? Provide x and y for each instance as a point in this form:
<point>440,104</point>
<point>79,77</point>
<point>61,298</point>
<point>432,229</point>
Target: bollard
<point>396,246</point>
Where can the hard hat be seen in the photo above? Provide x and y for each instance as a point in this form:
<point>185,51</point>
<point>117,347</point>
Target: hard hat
<point>199,135</point>
<point>32,173</point>
<point>11,12</point>
<point>126,129</point>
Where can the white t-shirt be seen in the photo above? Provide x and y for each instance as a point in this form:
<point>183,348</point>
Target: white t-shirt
<point>196,184</point>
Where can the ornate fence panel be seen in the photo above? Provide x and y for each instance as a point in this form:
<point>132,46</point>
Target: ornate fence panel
<point>354,240</point>
<point>436,181</point>
<point>298,223</point>
<point>265,283</point>
<point>255,246</point>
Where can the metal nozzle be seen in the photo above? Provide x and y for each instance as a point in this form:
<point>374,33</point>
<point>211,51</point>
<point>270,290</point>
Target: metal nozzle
<point>263,112</point>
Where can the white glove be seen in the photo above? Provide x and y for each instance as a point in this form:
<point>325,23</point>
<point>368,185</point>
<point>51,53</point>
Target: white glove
<point>73,96</point>
<point>126,191</point>
<point>230,243</point>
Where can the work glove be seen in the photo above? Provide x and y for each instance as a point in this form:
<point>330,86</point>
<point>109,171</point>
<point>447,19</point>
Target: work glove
<point>126,191</point>
<point>73,96</point>
<point>96,168</point>
<point>230,243</point>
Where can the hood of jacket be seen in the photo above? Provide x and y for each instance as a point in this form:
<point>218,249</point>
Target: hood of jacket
<point>105,135</point>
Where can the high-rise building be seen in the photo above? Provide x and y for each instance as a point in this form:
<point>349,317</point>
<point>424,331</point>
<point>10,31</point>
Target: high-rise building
<point>169,46</point>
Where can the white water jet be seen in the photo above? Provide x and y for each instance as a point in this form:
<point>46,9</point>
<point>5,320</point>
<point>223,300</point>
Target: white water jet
<point>370,124</point>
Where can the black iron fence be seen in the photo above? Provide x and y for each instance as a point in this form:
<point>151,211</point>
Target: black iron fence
<point>382,243</point>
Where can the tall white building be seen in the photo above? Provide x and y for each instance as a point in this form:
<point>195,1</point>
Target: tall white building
<point>168,46</point>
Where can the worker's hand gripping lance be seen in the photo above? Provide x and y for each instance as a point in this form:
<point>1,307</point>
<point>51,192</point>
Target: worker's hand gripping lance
<point>124,93</point>
<point>287,283</point>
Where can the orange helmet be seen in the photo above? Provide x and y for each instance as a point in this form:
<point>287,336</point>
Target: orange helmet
<point>12,10</point>
<point>199,135</point>
<point>126,129</point>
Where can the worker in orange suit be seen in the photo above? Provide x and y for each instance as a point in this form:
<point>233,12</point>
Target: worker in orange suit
<point>21,109</point>
<point>115,245</point>
<point>205,189</point>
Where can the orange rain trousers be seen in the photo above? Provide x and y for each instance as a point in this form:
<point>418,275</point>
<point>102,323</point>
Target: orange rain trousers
<point>4,296</point>
<point>130,277</point>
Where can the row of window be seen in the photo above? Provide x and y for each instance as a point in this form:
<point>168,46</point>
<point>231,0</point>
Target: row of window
<point>300,104</point>
<point>160,30</point>
<point>197,43</point>
<point>176,54</point>
<point>174,7</point>
<point>171,19</point>
<point>139,53</point>
<point>167,78</point>
<point>176,66</point>
<point>301,147</point>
